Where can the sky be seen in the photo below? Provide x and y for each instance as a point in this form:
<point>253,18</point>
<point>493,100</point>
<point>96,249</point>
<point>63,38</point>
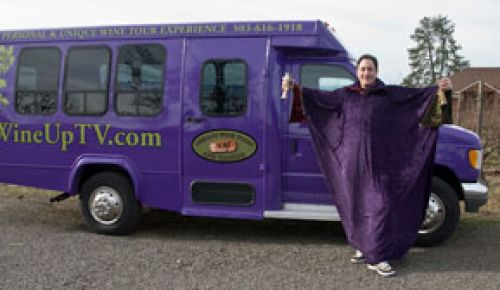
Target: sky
<point>382,27</point>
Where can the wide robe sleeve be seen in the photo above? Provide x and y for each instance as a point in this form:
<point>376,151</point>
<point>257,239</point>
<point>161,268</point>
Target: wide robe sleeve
<point>323,110</point>
<point>402,153</point>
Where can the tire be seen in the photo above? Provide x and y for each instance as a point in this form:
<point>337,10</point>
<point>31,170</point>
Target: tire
<point>444,203</point>
<point>108,204</point>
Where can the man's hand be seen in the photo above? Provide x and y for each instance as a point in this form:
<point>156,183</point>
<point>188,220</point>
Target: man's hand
<point>286,85</point>
<point>445,84</point>
<point>286,82</point>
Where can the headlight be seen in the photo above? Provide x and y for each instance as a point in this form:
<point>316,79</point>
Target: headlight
<point>475,158</point>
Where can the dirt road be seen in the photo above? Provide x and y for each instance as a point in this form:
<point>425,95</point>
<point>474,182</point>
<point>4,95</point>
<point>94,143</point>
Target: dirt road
<point>46,246</point>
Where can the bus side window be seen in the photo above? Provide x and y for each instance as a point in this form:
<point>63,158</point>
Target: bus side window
<point>319,76</point>
<point>37,76</point>
<point>139,80</point>
<point>87,78</point>
<point>223,89</point>
<point>327,77</point>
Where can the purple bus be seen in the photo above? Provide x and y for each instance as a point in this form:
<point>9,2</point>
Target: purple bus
<point>188,118</point>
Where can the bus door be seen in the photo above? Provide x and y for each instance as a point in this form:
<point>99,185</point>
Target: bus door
<point>223,111</point>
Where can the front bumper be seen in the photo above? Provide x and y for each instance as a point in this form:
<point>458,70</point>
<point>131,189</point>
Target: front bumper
<point>475,196</point>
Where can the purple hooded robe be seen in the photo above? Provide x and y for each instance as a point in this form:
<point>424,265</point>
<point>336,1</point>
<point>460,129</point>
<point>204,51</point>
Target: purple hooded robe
<point>377,160</point>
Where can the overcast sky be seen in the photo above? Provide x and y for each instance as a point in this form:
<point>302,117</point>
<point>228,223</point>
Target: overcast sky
<point>380,27</point>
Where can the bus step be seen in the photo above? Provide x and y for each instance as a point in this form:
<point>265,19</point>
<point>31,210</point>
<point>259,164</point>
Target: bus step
<point>305,212</point>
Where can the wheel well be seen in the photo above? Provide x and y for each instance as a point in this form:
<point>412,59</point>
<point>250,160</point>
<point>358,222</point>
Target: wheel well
<point>449,177</point>
<point>91,170</point>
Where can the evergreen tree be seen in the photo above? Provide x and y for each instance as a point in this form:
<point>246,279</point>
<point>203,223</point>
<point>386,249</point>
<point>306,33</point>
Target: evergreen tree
<point>435,54</point>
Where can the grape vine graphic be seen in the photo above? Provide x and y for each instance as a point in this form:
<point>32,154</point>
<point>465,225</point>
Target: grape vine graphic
<point>6,61</point>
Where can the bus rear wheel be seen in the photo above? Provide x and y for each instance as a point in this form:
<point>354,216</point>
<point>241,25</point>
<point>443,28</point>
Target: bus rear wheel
<point>108,204</point>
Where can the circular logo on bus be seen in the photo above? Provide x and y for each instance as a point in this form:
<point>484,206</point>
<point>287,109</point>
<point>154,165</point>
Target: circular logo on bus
<point>224,146</point>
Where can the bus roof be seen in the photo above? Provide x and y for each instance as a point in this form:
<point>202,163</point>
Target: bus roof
<point>222,29</point>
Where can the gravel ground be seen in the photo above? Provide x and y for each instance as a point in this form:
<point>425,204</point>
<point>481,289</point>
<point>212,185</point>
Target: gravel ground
<point>46,246</point>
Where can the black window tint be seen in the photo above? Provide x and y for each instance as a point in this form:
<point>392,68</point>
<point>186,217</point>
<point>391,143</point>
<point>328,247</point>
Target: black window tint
<point>223,90</point>
<point>86,86</point>
<point>139,80</point>
<point>36,87</point>
<point>325,77</point>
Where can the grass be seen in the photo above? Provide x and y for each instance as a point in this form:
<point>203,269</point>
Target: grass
<point>20,191</point>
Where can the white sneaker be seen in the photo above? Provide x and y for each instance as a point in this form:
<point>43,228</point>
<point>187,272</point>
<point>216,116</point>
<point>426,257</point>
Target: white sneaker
<point>358,258</point>
<point>383,269</point>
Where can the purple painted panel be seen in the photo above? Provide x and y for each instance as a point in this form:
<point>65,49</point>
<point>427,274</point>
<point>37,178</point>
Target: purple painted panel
<point>47,147</point>
<point>452,151</point>
<point>273,126</point>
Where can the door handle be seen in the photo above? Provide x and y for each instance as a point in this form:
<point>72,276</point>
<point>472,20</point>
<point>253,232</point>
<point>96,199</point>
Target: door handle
<point>293,146</point>
<point>192,119</point>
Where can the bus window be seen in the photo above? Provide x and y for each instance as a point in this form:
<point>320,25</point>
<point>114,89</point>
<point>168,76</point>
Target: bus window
<point>139,80</point>
<point>325,77</point>
<point>36,86</point>
<point>86,86</point>
<point>223,90</point>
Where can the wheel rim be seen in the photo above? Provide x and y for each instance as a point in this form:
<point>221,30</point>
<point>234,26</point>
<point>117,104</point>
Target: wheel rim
<point>434,215</point>
<point>106,205</point>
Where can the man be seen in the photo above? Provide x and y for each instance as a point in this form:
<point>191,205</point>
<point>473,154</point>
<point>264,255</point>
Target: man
<point>376,151</point>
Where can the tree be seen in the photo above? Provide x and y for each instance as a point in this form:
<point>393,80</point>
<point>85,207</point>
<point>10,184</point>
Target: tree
<point>436,52</point>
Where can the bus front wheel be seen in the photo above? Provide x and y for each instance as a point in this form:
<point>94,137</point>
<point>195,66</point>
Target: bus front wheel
<point>108,204</point>
<point>441,216</point>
